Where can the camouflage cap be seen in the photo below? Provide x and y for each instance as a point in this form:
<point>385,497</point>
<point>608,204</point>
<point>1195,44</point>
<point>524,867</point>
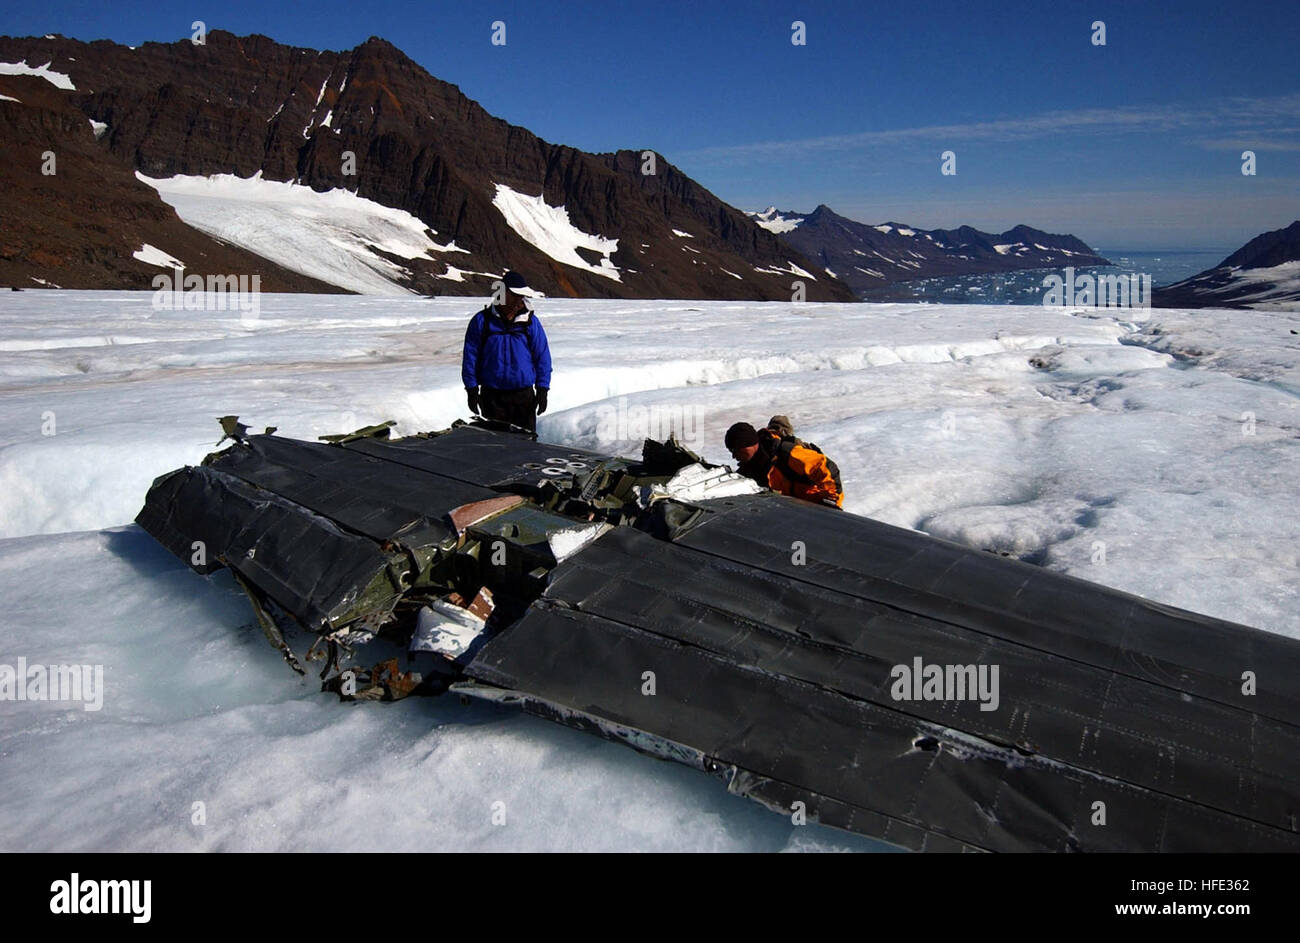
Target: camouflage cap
<point>781,425</point>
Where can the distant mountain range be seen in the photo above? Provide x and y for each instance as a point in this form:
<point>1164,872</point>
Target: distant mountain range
<point>1264,273</point>
<point>476,195</point>
<point>360,171</point>
<point>867,257</point>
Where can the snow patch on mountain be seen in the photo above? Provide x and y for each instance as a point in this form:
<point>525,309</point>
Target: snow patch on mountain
<point>1277,286</point>
<point>790,269</point>
<point>454,274</point>
<point>151,255</point>
<point>549,229</point>
<point>772,220</point>
<point>57,79</point>
<point>325,235</point>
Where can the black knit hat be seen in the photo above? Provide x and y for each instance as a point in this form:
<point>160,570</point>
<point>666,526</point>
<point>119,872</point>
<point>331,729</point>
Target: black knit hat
<point>518,285</point>
<point>740,436</point>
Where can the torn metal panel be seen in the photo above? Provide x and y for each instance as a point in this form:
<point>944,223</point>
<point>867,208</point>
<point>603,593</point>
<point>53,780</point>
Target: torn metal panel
<point>638,740</point>
<point>971,589</point>
<point>1081,715</point>
<point>312,568</point>
<point>827,746</point>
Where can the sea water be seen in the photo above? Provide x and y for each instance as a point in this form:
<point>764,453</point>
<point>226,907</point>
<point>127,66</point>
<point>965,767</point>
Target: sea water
<point>1026,287</point>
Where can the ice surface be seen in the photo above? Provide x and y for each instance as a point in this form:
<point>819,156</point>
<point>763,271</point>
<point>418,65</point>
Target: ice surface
<point>1154,451</point>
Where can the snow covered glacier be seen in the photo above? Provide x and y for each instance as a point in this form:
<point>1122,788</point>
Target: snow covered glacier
<point>1152,451</point>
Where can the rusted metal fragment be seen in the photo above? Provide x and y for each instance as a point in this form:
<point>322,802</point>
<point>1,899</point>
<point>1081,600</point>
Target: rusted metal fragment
<point>481,605</point>
<point>467,515</point>
<point>382,682</point>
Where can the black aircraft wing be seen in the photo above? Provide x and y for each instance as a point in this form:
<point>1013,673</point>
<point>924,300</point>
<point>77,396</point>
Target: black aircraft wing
<point>832,667</point>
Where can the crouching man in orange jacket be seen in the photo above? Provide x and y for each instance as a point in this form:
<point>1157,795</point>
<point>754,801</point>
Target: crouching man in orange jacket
<point>785,464</point>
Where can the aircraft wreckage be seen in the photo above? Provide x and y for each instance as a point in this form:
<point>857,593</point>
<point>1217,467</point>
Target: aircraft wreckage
<point>804,654</point>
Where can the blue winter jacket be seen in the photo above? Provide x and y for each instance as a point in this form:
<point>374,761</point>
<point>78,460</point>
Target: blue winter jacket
<point>505,355</point>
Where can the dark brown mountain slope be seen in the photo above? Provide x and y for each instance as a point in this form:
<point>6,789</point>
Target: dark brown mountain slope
<point>243,104</point>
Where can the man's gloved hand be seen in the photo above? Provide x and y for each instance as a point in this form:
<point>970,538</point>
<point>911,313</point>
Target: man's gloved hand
<point>471,397</point>
<point>541,399</point>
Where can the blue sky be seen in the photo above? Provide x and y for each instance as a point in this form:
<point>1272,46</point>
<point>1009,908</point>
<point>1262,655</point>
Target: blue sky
<point>1134,145</point>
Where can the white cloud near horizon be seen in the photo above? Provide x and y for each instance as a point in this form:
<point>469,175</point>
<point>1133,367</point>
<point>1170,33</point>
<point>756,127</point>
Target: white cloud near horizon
<point>1225,115</point>
<point>1261,142</point>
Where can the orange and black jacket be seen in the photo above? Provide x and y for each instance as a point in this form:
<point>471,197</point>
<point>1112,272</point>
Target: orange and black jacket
<point>799,471</point>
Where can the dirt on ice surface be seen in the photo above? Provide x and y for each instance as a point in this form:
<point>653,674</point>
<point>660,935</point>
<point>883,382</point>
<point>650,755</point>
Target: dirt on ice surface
<point>1156,452</point>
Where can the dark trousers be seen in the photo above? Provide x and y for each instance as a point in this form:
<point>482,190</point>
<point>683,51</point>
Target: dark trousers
<point>517,407</point>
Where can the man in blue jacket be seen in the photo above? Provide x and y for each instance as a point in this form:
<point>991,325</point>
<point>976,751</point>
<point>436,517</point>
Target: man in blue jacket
<point>506,365</point>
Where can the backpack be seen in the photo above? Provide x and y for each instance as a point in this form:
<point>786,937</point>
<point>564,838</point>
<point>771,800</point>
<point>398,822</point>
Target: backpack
<point>784,446</point>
